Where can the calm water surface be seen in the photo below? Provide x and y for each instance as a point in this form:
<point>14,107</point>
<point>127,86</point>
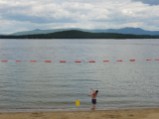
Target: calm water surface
<point>55,85</point>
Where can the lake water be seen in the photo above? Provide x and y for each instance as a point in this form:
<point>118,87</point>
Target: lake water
<point>52,74</point>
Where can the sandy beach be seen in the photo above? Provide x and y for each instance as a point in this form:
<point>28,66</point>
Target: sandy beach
<point>98,114</point>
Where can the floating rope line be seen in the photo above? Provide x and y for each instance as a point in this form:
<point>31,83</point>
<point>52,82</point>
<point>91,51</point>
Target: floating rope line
<point>82,61</point>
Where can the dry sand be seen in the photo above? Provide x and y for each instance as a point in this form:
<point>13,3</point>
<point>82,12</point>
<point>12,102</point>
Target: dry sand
<point>100,114</point>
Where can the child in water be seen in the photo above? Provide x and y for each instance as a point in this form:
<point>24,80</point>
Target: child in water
<point>94,96</point>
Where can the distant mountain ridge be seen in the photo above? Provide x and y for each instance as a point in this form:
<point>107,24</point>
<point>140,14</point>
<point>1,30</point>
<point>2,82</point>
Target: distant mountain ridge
<point>135,31</point>
<point>78,34</point>
<point>127,30</point>
<point>36,31</point>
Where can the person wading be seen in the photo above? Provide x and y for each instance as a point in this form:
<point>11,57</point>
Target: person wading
<point>94,98</point>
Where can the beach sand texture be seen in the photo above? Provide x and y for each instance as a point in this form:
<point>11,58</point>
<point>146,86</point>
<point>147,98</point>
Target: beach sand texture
<point>103,114</point>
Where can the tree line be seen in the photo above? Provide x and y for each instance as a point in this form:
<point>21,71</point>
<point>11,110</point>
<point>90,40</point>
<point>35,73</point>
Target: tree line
<point>75,34</point>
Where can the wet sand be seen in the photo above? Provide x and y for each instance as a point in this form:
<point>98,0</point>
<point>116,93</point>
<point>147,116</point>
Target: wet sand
<point>99,114</point>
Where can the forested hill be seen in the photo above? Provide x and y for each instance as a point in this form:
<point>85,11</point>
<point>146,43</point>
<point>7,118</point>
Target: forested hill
<point>77,34</point>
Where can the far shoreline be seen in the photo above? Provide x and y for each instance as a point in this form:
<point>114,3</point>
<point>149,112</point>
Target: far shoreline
<point>77,34</point>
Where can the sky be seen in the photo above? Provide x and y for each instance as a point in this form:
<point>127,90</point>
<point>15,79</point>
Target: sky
<point>24,15</point>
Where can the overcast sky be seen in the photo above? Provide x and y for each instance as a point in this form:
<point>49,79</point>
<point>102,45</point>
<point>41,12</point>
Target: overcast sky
<point>21,15</point>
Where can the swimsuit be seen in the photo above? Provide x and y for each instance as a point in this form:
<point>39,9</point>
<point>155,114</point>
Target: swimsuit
<point>94,101</point>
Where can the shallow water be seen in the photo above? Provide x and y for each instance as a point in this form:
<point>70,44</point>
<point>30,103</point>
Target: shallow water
<point>55,85</point>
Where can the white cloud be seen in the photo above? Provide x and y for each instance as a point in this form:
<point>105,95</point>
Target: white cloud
<point>31,14</point>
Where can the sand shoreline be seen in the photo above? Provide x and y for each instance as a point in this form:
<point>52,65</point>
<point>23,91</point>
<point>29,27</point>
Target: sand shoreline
<point>139,113</point>
<point>73,109</point>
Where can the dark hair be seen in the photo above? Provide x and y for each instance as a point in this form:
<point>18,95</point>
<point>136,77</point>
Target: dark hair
<point>96,91</point>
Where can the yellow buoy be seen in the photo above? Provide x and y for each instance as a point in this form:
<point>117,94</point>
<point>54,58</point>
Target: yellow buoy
<point>77,103</point>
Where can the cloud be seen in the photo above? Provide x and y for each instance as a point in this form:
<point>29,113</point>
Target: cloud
<point>150,2</point>
<point>35,19</point>
<point>50,14</point>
